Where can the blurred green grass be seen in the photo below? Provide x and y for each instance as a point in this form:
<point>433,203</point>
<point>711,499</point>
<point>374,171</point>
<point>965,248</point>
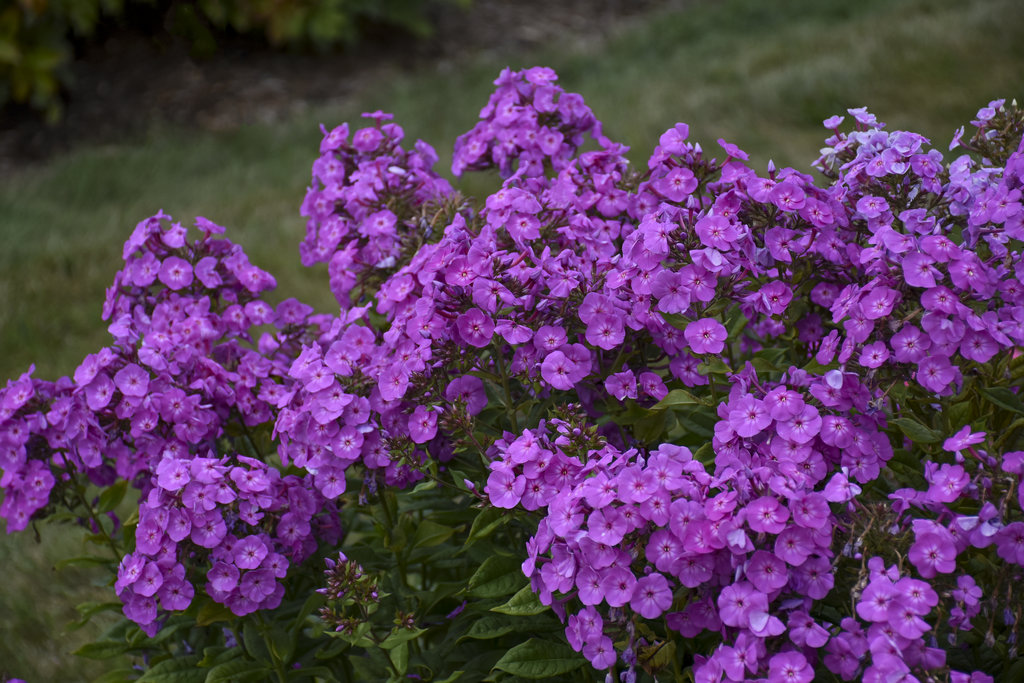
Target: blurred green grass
<point>760,74</point>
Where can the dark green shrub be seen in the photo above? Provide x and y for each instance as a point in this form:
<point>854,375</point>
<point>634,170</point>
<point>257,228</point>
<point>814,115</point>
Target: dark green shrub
<point>36,36</point>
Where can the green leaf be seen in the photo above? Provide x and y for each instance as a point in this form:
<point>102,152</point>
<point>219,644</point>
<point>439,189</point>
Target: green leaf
<point>90,609</point>
<point>816,368</point>
<point>401,635</point>
<point>429,534</point>
<point>497,576</point>
<point>523,603</point>
<point>540,659</point>
<point>1004,398</point>
<point>713,366</point>
<point>117,676</point>
<point>180,669</point>
<point>488,627</point>
<point>254,643</point>
<point>400,657</point>
<point>650,429</point>
<point>705,454</point>
<point>218,654</point>
<point>658,656</point>
<point>456,675</point>
<point>307,672</point>
<point>281,641</point>
<point>485,523</point>
<point>676,397</point>
<point>236,671</point>
<point>915,431</point>
<point>112,496</point>
<point>104,649</point>
<point>213,612</point>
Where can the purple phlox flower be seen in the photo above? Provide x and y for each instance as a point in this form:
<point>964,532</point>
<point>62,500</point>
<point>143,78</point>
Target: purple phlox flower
<point>766,571</point>
<point>132,380</point>
<point>946,482</point>
<point>475,327</point>
<point>790,667</point>
<point>470,390</point>
<point>605,331</point>
<point>607,526</point>
<point>423,424</point>
<point>676,185</point>
<point>879,302</point>
<point>652,596</point>
<point>874,354</point>
<point>840,489</point>
<point>766,514</point>
<point>706,335</point>
<point>618,584</point>
<point>934,549</point>
<point>732,150</point>
<point>1010,543</point>
<point>935,373</point>
<point>176,273</point>
<point>805,631</point>
<point>962,439</point>
<point>738,602</point>
<point>749,416</point>
<point>504,487</point>
<point>249,552</point>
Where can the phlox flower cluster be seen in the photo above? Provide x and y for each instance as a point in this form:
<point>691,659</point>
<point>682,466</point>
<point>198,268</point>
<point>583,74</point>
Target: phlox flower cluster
<point>182,372</point>
<point>364,201</point>
<point>529,122</point>
<point>571,314</point>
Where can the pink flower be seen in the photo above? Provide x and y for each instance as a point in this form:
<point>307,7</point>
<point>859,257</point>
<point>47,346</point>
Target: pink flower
<point>475,327</point>
<point>962,439</point>
<point>749,416</point>
<point>504,487</point>
<point>557,370</point>
<point>933,552</point>
<point>789,667</point>
<point>706,335</point>
<point>652,596</point>
<point>176,273</point>
<point>422,424</point>
<point>677,185</point>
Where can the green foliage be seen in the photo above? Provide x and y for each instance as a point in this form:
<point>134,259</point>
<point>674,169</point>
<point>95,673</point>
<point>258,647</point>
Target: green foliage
<point>36,35</point>
<point>35,47</point>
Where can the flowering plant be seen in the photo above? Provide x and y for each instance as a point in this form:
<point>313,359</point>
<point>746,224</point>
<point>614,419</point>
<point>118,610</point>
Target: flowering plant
<point>685,422</point>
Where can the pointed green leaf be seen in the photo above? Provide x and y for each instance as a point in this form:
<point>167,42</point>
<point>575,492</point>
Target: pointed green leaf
<point>523,603</point>
<point>236,671</point>
<point>488,627</point>
<point>540,659</point>
<point>401,635</point>
<point>1004,398</point>
<point>181,669</point>
<point>429,534</point>
<point>497,576</point>
<point>213,612</point>
<point>104,649</point>
<point>485,523</point>
<point>676,397</point>
<point>117,676</point>
<point>915,431</point>
<point>112,496</point>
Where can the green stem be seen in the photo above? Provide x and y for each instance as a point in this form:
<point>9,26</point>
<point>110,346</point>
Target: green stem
<point>92,515</point>
<point>504,385</point>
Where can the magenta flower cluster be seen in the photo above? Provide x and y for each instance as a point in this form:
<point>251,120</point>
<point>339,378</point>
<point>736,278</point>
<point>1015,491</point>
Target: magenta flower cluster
<point>571,315</point>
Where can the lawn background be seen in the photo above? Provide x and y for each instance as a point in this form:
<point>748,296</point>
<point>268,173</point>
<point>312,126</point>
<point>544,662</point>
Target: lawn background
<point>760,74</point>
